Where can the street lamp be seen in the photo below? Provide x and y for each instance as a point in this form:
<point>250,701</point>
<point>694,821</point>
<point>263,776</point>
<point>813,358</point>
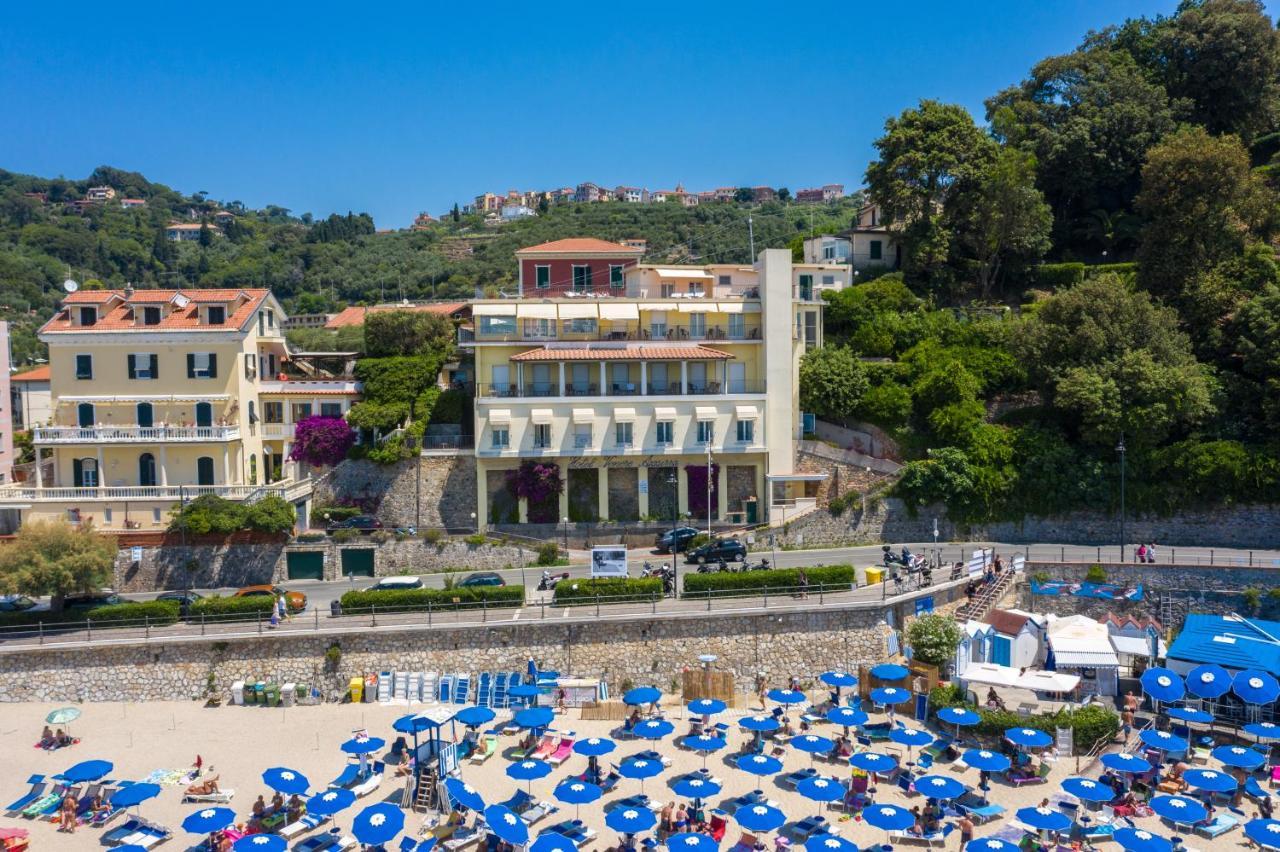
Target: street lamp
<point>708,487</point>
<point>473,522</point>
<point>674,482</point>
<point>1121,449</point>
<point>566,535</point>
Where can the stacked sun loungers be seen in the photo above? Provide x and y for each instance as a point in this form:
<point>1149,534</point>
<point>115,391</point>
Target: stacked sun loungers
<point>137,832</point>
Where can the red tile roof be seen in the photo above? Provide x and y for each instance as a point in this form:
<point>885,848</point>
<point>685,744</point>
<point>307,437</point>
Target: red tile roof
<point>1008,623</point>
<point>624,353</point>
<point>582,245</point>
<point>355,314</point>
<point>90,297</point>
<point>119,316</point>
<point>39,374</point>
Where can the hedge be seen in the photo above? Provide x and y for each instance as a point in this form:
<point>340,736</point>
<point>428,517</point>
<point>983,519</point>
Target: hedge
<point>248,607</point>
<point>1089,724</point>
<point>829,578</point>
<point>1059,276</point>
<point>586,591</point>
<point>151,612</point>
<point>493,596</point>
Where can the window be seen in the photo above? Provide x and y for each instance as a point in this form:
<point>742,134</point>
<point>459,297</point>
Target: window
<point>828,281</point>
<point>615,277</point>
<point>658,324</point>
<point>84,366</point>
<point>696,288</point>
<point>330,409</point>
<point>706,431</point>
<point>810,328</point>
<point>665,430</point>
<point>737,326</point>
<point>540,329</point>
<point>273,412</point>
<point>829,251</point>
<point>88,316</point>
<point>542,277</point>
<point>271,318</point>
<point>146,469</point>
<point>668,289</point>
<point>697,373</point>
<point>151,315</point>
<point>146,415</point>
<point>580,326</point>
<point>204,470</point>
<point>300,411</point>
<point>541,435</point>
<point>497,325</point>
<point>581,278</point>
<point>582,435</point>
<point>144,365</point>
<point>202,365</point>
<point>658,378</point>
<point>725,280</point>
<point>806,287</point>
<point>697,325</point>
<point>622,434</point>
<point>877,250</point>
<point>746,431</point>
<point>217,315</point>
<point>85,472</point>
<point>501,438</point>
<point>262,323</point>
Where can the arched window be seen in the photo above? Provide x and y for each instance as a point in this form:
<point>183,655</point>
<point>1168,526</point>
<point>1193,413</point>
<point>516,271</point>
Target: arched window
<point>146,469</point>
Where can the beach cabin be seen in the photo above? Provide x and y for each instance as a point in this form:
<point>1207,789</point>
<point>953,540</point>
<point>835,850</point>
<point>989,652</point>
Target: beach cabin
<point>1016,639</point>
<point>1235,643</point>
<point>1136,641</point>
<point>1080,645</point>
<point>976,638</point>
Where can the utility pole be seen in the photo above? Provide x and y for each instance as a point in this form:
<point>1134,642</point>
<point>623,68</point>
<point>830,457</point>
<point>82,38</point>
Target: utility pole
<point>751,235</point>
<point>709,486</point>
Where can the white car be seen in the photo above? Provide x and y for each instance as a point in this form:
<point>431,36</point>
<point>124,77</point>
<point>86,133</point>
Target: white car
<point>388,584</point>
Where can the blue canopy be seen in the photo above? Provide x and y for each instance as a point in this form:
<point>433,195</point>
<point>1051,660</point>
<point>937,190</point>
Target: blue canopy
<point>1139,840</point>
<point>1210,780</point>
<point>692,842</point>
<point>464,794</point>
<point>640,768</point>
<point>574,792</point>
<point>888,817</point>
<point>378,823</point>
<point>134,794</point>
<point>990,844</point>
<point>1209,681</point>
<point>260,843</point>
<point>1088,789</point>
<point>913,737</point>
<point>812,744</point>
<point>331,801</point>
<point>1028,737</point>
<point>759,724</point>
<point>890,695</point>
<point>528,770</point>
<point>759,817</point>
<point>707,706</point>
<point>940,787</point>
<point>1187,714</point>
<point>208,820</point>
<point>1124,762</point>
<point>787,696</point>
<point>839,680</point>
<point>412,724</point>
<point>1162,740</point>
<point>1255,687</point>
<point>534,717</point>
<point>760,764</point>
<point>846,716</point>
<point>1263,730</point>
<point>642,695</point>
<point>962,716</point>
<point>870,761</point>
<point>630,820</point>
<point>1245,758</point>
<point>705,743</point>
<point>524,690</point>
<point>653,729</point>
<point>474,717</point>
<point>594,746</point>
<point>1163,684</point>
<point>820,788</point>
<point>1179,809</point>
<point>87,770</point>
<point>553,842</point>
<point>505,823</point>
<point>285,780</point>
<point>889,671</point>
<point>829,843</point>
<point>696,787</point>
<point>1264,832</point>
<point>986,761</point>
<point>1044,819</point>
<point>363,745</point>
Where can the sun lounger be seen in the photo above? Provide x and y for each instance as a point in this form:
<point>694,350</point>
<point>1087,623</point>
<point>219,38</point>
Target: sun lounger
<point>636,802</point>
<point>1254,789</point>
<point>39,787</point>
<point>562,752</point>
<point>350,775</point>
<point>302,826</point>
<point>221,796</point>
<point>610,781</point>
<point>575,830</point>
<point>755,797</point>
<point>938,837</point>
<point>544,749</point>
<point>152,835</point>
<point>368,785</point>
<point>116,836</point>
<point>538,812</point>
<point>269,823</point>
<point>137,832</point>
<point>463,838</point>
<point>791,780</point>
<point>488,748</point>
<point>809,826</point>
<point>717,827</point>
<point>330,841</point>
<point>47,804</point>
<point>1221,824</point>
<point>1039,778</point>
<point>519,802</point>
<point>977,809</point>
<point>937,749</point>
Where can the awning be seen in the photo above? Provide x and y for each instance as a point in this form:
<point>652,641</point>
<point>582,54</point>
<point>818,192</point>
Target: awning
<point>584,415</point>
<point>618,312</point>
<point>664,413</point>
<point>1135,646</point>
<point>747,412</point>
<point>739,307</point>
<point>579,311</point>
<point>541,415</point>
<point>153,397</point>
<point>657,306</point>
<point>1048,681</point>
<point>697,307</point>
<point>500,416</point>
<point>705,412</point>
<point>493,310</point>
<point>1082,659</point>
<point>796,477</point>
<point>1037,681</point>
<point>624,415</point>
<point>536,311</point>
<point>685,274</point>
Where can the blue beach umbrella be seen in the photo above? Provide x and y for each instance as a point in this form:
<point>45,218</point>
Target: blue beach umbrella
<point>707,706</point>
<point>1187,714</point>
<point>528,770</point>
<point>759,724</point>
<point>912,737</point>
<point>1044,819</point>
<point>411,724</point>
<point>1210,780</point>
<point>524,690</point>
<point>846,716</point>
<point>787,696</point>
<point>464,794</point>
<point>208,820</point>
<point>630,820</point>
<point>760,764</point>
<point>1163,684</point>
<point>692,842</point>
<point>812,744</point>
<point>331,801</point>
<point>1263,730</point>
<point>1140,840</point>
<point>1124,762</point>
<point>939,787</point>
<point>704,743</point>
<point>377,824</point>
<point>285,780</point>
<point>642,695</point>
<point>820,788</point>
<point>840,680</point>
<point>696,787</point>
<point>991,844</point>
<point>1028,737</point>
<point>1088,789</point>
<point>653,729</point>
<point>890,695</point>
<point>829,843</point>
<point>134,794</point>
<point>594,746</point>
<point>363,745</point>
<point>534,717</point>
<point>260,843</point>
<point>962,716</point>
<point>1255,687</point>
<point>578,792</point>
<point>640,769</point>
<point>759,817</point>
<point>1162,740</point>
<point>1244,758</point>
<point>474,717</point>
<point>553,842</point>
<point>888,817</point>
<point>1209,681</point>
<point>889,671</point>
<point>870,761</point>
<point>506,824</point>
<point>1180,809</point>
<point>87,770</point>
<point>986,761</point>
<point>1264,832</point>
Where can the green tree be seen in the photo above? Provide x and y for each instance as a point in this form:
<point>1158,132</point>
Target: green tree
<point>832,382</point>
<point>391,333</point>
<point>206,235</point>
<point>54,558</point>
<point>744,195</point>
<point>933,639</point>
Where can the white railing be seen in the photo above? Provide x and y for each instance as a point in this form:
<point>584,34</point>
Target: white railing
<point>287,488</point>
<point>276,430</point>
<point>133,434</point>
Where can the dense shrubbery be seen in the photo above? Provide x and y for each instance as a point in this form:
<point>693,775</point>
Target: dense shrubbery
<point>577,592</point>
<point>212,514</point>
<point>250,607</point>
<point>1089,724</point>
<point>466,596</point>
<point>149,612</point>
<point>721,583</point>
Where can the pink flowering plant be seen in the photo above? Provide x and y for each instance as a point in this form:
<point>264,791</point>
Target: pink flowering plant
<point>322,441</point>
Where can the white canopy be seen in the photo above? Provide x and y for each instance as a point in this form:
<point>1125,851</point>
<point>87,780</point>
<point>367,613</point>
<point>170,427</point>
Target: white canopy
<point>618,312</point>
<point>739,307</point>
<point>500,416</point>
<point>584,415</point>
<point>583,310</point>
<point>541,415</point>
<point>624,415</point>
<point>697,307</point>
<point>493,310</point>
<point>684,274</point>
<point>536,311</point>
<point>1037,681</point>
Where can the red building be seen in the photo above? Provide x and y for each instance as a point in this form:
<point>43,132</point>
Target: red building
<point>581,265</point>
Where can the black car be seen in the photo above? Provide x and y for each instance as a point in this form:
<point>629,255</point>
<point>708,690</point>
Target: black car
<point>92,600</point>
<point>681,536</point>
<point>184,598</point>
<point>482,578</point>
<point>16,603</point>
<point>728,549</point>
<point>358,522</point>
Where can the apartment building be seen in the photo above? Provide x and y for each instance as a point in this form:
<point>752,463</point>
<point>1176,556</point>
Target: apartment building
<point>160,396</point>
<point>30,399</point>
<point>655,391</point>
<point>871,244</point>
<point>817,195</point>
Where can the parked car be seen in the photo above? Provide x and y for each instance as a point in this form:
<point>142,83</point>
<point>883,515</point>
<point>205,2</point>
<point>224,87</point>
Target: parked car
<point>728,549</point>
<point>297,601</point>
<point>388,584</point>
<point>681,536</point>
<point>185,598</point>
<point>358,522</point>
<point>482,578</point>
<point>17,603</point>
<point>91,600</point>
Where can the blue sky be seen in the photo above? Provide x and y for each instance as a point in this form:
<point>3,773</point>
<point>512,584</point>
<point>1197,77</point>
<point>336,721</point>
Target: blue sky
<point>396,108</point>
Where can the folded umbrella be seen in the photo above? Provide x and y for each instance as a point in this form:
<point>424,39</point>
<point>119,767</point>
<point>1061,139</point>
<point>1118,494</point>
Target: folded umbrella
<point>594,746</point>
<point>260,843</point>
<point>846,716</point>
<point>819,788</point>
<point>1028,737</point>
<point>1044,819</point>
<point>759,817</point>
<point>1210,780</point>
<point>377,824</point>
<point>1163,684</point>
<point>707,706</point>
<point>986,761</point>
<point>208,820</point>
<point>1179,809</point>
<point>888,817</point>
<point>285,780</point>
<point>642,695</point>
<point>840,680</point>
<point>939,787</point>
<point>506,824</point>
<point>464,794</point>
<point>890,695</point>
<point>630,820</point>
<point>1264,832</point>
<point>787,696</point>
<point>1088,789</point>
<point>1140,840</point>
<point>1255,687</point>
<point>1244,758</point>
<point>889,671</point>
<point>760,764</point>
<point>1209,681</point>
<point>870,761</point>
<point>331,801</point>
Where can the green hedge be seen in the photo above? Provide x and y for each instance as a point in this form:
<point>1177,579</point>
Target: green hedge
<point>494,596</point>
<point>153,612</point>
<point>1126,271</point>
<point>248,607</point>
<point>333,514</point>
<point>1059,276</point>
<point>829,577</point>
<point>575,592</point>
<point>1088,724</point>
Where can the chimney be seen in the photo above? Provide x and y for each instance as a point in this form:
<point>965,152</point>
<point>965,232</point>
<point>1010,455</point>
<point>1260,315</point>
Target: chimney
<point>128,290</point>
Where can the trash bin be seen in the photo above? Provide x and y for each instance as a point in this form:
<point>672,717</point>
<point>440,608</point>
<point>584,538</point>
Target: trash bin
<point>370,688</point>
<point>356,689</point>
<point>260,692</point>
<point>272,694</point>
<point>287,693</point>
<point>237,692</point>
<point>875,574</point>
<point>335,608</point>
<point>303,691</point>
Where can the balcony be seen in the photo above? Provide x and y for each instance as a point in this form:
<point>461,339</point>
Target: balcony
<point>276,430</point>
<point>289,489</point>
<point>127,434</point>
<point>746,333</point>
<point>537,390</point>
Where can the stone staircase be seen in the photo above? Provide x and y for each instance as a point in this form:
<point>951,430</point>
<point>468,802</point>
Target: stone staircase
<point>986,599</point>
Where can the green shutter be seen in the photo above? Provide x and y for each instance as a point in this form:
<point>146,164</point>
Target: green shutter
<point>155,365</point>
<point>191,365</point>
<point>77,472</point>
<point>133,370</point>
<point>213,365</point>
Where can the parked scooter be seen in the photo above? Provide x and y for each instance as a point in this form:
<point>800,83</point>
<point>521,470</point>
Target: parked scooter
<point>549,580</point>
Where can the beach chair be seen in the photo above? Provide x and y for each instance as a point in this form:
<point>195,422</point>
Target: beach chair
<point>463,838</point>
<point>937,749</point>
<point>369,784</point>
<point>792,780</point>
<point>48,804</point>
<point>349,775</point>
<point>222,796</point>
<point>488,748</point>
<point>444,689</point>
<point>1222,823</point>
<point>809,826</point>
<point>747,842</point>
<point>717,826</point>
<point>1040,777</point>
<point>562,753</point>
<point>937,838</point>
<point>519,802</point>
<point>1254,789</point>
<point>484,689</point>
<point>538,812</point>
<point>39,788</point>
<point>610,781</point>
<point>461,688</point>
<point>979,811</point>
<point>308,823</point>
<point>545,748</point>
<point>755,797</point>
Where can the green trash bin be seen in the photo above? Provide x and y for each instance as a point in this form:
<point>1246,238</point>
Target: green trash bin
<point>303,690</point>
<point>272,693</point>
<point>260,693</point>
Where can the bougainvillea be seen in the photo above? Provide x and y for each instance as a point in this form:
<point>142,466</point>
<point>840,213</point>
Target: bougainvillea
<point>696,475</point>
<point>322,441</point>
<point>540,484</point>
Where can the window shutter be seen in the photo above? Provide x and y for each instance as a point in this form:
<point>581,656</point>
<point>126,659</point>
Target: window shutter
<point>213,365</point>
<point>155,365</point>
<point>133,369</point>
<point>77,472</point>
<point>191,365</point>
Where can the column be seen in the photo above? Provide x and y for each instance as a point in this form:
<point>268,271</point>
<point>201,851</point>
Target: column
<point>164,465</point>
<point>562,378</point>
<point>722,494</point>
<point>226,465</point>
<point>682,489</point>
<point>102,471</point>
<point>39,467</point>
<point>562,509</point>
<point>602,492</point>
<point>684,378</point>
<point>644,381</point>
<point>642,486</point>
<point>520,379</point>
<point>604,378</point>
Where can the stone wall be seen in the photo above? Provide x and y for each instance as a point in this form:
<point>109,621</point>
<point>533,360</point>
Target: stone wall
<point>443,494</point>
<point>845,471</point>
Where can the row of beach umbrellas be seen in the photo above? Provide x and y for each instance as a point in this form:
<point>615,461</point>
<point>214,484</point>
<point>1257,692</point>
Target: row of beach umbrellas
<point>1210,681</point>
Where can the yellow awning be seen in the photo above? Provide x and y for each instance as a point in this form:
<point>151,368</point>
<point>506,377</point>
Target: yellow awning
<point>657,306</point>
<point>698,307</point>
<point>536,311</point>
<point>624,415</point>
<point>493,310</point>
<point>579,311</point>
<point>619,312</point>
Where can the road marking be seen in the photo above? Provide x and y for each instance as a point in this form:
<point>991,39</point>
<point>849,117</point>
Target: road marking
<point>516,617</point>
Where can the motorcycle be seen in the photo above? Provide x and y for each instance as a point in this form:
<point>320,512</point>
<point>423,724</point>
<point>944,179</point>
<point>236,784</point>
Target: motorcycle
<point>906,559</point>
<point>549,580</point>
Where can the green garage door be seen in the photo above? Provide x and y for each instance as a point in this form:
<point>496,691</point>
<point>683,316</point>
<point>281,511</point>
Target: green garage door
<point>305,565</point>
<point>357,562</point>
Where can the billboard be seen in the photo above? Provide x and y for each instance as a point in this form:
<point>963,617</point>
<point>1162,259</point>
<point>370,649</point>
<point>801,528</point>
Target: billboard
<point>609,560</point>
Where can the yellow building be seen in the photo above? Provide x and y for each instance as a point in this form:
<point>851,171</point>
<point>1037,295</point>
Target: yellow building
<point>635,391</point>
<point>160,396</point>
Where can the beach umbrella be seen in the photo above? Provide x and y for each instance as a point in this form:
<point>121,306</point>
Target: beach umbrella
<point>991,844</point>
<point>813,744</point>
<point>1210,780</point>
<point>1244,758</point>
<point>62,716</point>
<point>1163,684</point>
<point>594,746</point>
<point>888,817</point>
<point>759,817</point>
<point>474,717</point>
<point>829,843</point>
<point>759,724</point>
<point>1044,819</point>
<point>331,801</point>
<point>1264,832</point>
<point>630,820</point>
<point>696,787</point>
<point>820,788</point>
<point>840,680</point>
<point>962,716</point>
<point>1263,730</point>
<point>760,764</point>
<point>1139,840</point>
<point>134,794</point>
<point>1124,762</point>
<point>125,847</point>
<point>577,793</point>
<point>260,843</point>
<point>378,823</point>
<point>208,820</point>
<point>704,743</point>
<point>1209,681</point>
<point>1088,789</point>
<point>1162,740</point>
<point>553,842</point>
<point>426,845</point>
<point>534,717</point>
<point>911,737</point>
<point>640,769</point>
<point>363,745</point>
<point>1028,737</point>
<point>889,671</point>
<point>787,696</point>
<point>642,695</point>
<point>524,690</point>
<point>464,794</point>
<point>285,780</point>
<point>1180,809</point>
<point>692,842</point>
<point>411,724</point>
<point>986,761</point>
<point>939,787</point>
<point>528,770</point>
<point>504,822</point>
<point>1187,714</point>
<point>890,695</point>
<point>870,761</point>
<point>653,729</point>
<point>707,706</point>
<point>846,716</point>
<point>1255,687</point>
<point>87,770</point>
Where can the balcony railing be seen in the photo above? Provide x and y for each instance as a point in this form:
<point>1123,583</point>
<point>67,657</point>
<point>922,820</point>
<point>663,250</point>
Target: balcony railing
<point>276,430</point>
<point>287,488</point>
<point>133,434</point>
<point>543,390</point>
<point>668,331</point>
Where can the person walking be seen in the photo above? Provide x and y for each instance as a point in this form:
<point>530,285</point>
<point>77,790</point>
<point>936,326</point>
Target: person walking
<point>966,829</point>
<point>282,607</point>
<point>1151,553</point>
<point>1141,553</point>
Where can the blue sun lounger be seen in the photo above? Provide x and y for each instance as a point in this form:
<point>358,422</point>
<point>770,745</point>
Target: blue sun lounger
<point>349,776</point>
<point>38,788</point>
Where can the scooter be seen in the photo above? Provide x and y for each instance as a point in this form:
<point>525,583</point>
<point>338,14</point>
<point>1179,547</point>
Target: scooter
<point>549,580</point>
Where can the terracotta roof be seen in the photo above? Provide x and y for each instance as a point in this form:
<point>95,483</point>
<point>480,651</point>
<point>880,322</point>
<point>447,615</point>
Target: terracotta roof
<point>151,296</point>
<point>1008,623</point>
<point>184,226</point>
<point>624,353</point>
<point>39,374</point>
<point>91,297</point>
<point>581,245</point>
<point>1123,621</point>
<point>119,316</point>
<point>355,314</point>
